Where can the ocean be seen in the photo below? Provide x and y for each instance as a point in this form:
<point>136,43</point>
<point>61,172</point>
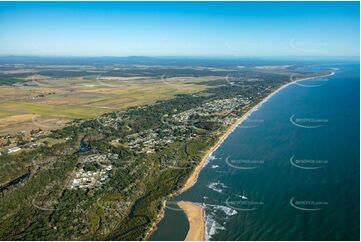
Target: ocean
<point>290,171</point>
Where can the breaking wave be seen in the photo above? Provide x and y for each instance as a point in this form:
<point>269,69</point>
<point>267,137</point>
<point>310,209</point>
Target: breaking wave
<point>217,186</point>
<point>214,214</point>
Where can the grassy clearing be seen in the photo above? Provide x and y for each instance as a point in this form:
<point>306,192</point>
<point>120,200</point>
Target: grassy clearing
<point>43,109</point>
<point>85,98</point>
<point>5,113</point>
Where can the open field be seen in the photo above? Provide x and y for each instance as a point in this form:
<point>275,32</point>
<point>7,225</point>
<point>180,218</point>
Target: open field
<point>48,96</point>
<point>49,103</point>
<point>108,177</point>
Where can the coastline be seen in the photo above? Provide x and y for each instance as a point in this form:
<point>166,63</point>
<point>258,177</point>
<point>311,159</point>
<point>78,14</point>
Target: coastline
<point>195,216</point>
<point>194,176</point>
<point>192,179</point>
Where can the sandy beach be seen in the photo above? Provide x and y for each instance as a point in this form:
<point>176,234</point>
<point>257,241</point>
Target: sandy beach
<point>200,222</point>
<point>194,176</point>
<point>196,221</point>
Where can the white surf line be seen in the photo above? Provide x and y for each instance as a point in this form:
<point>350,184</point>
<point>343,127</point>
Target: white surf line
<point>249,112</point>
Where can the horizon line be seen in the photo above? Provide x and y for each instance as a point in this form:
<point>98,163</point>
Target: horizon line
<point>179,56</point>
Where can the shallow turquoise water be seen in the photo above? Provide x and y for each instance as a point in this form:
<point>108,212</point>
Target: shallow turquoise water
<point>291,172</point>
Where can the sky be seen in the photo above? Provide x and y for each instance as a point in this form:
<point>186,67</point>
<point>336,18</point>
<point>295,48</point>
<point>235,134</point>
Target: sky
<point>180,28</point>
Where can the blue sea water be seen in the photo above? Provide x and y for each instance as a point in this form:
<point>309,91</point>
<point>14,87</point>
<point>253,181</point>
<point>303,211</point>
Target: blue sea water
<point>289,172</point>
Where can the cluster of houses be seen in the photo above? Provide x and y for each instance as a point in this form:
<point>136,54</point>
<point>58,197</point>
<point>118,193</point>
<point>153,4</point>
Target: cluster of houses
<point>220,106</point>
<point>180,124</point>
<point>92,179</point>
<point>146,142</point>
<point>109,121</point>
<point>89,179</point>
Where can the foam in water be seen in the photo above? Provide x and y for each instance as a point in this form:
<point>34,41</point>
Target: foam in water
<point>214,212</point>
<point>211,227</point>
<point>217,186</point>
<point>209,159</point>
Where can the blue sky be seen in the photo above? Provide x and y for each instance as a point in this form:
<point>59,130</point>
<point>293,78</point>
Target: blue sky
<point>180,28</point>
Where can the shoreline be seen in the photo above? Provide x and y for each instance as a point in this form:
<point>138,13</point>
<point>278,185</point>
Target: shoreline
<point>194,176</point>
<point>192,179</point>
<point>195,216</point>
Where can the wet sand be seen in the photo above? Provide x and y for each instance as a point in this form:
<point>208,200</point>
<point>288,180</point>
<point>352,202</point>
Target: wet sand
<point>195,216</point>
<point>194,176</point>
